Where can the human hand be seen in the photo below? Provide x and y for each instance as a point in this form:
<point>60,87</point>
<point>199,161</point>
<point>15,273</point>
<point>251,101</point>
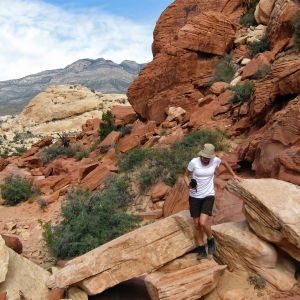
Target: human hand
<point>237,178</point>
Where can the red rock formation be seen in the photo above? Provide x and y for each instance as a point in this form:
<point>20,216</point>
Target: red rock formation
<point>13,243</point>
<point>124,115</point>
<point>182,47</point>
<point>3,164</point>
<point>280,23</point>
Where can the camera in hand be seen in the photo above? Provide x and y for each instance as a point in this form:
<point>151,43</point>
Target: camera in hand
<point>193,183</point>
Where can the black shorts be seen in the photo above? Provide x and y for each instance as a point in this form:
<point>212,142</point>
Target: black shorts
<point>201,206</point>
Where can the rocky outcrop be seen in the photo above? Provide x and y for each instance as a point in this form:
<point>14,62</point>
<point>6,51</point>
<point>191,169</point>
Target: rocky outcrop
<point>283,80</point>
<point>272,208</point>
<point>280,25</point>
<point>65,109</point>
<point>183,40</point>
<point>266,147</point>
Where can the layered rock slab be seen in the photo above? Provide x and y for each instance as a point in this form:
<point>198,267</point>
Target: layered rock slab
<point>240,248</point>
<point>184,278</point>
<point>272,208</point>
<point>129,256</point>
<point>24,277</point>
<point>4,257</point>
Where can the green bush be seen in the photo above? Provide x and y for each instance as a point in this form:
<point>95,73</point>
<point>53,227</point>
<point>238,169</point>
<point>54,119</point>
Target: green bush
<point>107,125</point>
<point>166,165</point>
<point>90,219</point>
<point>248,19</point>
<point>296,23</point>
<point>81,155</point>
<point>49,154</point>
<point>241,92</point>
<point>225,69</point>
<point>125,130</point>
<point>262,72</point>
<point>258,46</point>
<point>16,189</point>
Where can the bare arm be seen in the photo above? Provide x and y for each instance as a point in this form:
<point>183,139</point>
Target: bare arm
<point>186,177</point>
<point>229,169</point>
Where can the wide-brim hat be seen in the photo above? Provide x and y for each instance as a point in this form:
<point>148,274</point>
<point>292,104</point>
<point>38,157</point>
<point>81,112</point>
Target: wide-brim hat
<point>207,151</point>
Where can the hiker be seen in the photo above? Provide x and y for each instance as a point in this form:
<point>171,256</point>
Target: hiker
<point>202,193</point>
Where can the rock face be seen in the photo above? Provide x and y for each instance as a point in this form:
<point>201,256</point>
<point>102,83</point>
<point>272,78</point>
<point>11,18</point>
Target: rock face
<point>100,74</point>
<point>101,268</point>
<point>267,148</point>
<point>182,48</point>
<point>272,209</point>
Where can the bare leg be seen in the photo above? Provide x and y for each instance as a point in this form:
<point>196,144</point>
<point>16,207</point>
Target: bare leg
<point>205,225</point>
<point>198,231</point>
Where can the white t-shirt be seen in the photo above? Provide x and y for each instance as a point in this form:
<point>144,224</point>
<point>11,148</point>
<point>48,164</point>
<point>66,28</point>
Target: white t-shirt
<point>204,176</point>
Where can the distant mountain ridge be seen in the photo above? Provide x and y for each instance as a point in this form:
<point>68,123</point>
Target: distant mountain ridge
<point>102,75</point>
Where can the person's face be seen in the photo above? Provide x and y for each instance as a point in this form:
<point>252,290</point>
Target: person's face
<point>205,160</point>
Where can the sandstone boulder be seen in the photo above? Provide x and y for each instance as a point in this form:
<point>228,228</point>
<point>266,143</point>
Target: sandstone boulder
<point>280,22</point>
<point>101,268</point>
<point>25,276</point>
<point>263,11</point>
<point>272,208</point>
<point>124,115</point>
<point>241,249</point>
<point>4,259</point>
<point>184,278</point>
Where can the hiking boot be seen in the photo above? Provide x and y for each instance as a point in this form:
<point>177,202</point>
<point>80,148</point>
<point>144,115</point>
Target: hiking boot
<point>211,245</point>
<point>201,252</point>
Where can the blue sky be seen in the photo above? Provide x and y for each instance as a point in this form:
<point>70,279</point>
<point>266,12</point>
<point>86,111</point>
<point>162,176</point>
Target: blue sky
<point>38,35</point>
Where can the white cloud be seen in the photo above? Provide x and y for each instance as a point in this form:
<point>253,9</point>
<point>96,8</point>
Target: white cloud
<point>36,36</point>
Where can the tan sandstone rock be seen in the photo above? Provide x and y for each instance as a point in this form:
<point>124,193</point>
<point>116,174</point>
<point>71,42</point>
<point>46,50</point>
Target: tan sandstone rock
<point>24,275</point>
<point>263,11</point>
<point>184,278</point>
<point>4,258</point>
<point>272,209</point>
<point>242,250</point>
<point>101,268</point>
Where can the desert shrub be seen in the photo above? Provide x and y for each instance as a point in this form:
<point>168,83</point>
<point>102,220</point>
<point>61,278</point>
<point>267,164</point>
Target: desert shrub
<point>134,158</point>
<point>42,202</point>
<point>125,130</point>
<point>81,155</point>
<point>241,92</point>
<point>248,19</point>
<point>89,219</point>
<point>262,72</point>
<point>107,125</point>
<point>146,178</point>
<point>49,154</point>
<point>21,149</point>
<point>16,189</point>
<point>296,23</point>
<point>225,69</point>
<point>155,164</point>
<point>258,46</point>
<point>4,154</point>
<point>258,281</point>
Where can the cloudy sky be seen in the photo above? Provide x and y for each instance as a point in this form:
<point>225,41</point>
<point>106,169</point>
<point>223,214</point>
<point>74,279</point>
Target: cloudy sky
<point>38,35</point>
